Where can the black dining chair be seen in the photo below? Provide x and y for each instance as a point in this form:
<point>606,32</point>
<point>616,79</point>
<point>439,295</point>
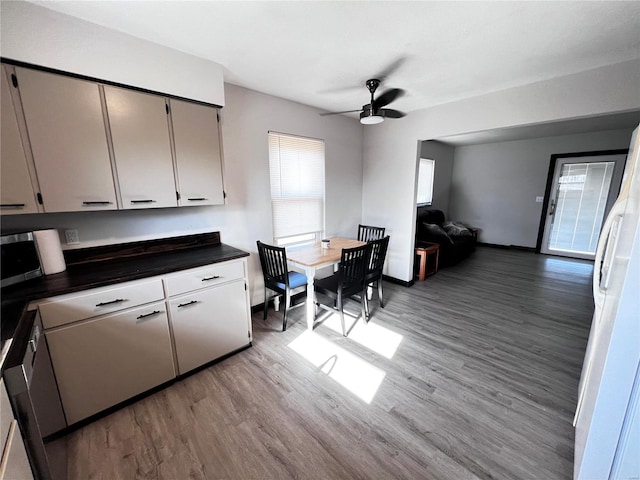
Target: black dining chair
<point>376,264</point>
<point>349,280</point>
<point>278,278</point>
<point>366,233</point>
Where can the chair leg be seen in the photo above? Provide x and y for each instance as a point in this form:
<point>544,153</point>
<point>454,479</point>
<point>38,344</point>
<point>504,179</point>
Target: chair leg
<point>287,301</point>
<point>339,302</point>
<point>266,303</point>
<point>380,293</point>
<point>364,305</point>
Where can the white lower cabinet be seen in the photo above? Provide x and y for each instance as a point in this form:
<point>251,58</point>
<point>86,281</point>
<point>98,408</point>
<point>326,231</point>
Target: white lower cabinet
<point>112,343</point>
<point>14,463</point>
<point>208,324</point>
<point>102,362</point>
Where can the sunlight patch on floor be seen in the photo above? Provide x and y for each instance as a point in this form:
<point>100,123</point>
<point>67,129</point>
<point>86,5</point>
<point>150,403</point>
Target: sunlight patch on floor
<point>353,373</point>
<point>569,265</point>
<point>370,335</point>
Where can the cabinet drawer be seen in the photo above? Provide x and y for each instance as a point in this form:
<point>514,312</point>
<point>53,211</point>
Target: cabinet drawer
<point>203,277</point>
<point>99,301</point>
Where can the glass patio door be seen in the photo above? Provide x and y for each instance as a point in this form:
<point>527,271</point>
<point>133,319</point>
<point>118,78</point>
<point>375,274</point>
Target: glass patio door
<point>583,191</point>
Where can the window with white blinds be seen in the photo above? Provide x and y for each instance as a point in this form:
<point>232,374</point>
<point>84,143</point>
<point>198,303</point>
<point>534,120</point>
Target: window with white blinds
<point>425,181</point>
<point>296,166</point>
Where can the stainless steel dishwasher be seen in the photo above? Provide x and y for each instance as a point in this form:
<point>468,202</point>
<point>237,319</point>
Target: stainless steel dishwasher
<point>35,400</point>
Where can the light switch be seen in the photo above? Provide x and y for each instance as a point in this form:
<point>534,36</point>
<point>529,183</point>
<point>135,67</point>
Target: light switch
<point>539,199</point>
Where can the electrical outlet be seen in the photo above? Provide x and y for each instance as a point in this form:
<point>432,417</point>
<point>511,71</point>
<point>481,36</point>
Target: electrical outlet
<point>71,235</point>
<point>539,199</point>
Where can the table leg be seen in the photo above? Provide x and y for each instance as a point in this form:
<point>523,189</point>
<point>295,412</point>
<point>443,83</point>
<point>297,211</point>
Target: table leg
<point>422,270</point>
<point>310,272</point>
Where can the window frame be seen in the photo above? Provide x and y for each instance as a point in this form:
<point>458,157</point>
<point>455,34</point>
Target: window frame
<point>432,162</point>
<point>317,187</point>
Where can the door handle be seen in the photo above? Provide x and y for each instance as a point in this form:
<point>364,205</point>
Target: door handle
<point>552,207</point>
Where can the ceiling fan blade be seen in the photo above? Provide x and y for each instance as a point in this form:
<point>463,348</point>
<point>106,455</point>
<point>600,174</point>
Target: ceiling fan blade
<point>391,68</point>
<point>391,113</point>
<point>338,113</point>
<point>387,97</point>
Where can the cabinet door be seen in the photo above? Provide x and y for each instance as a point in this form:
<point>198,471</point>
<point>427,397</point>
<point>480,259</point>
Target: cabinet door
<point>198,156</point>
<point>15,463</point>
<point>101,362</point>
<point>208,324</point>
<point>16,192</point>
<point>68,141</point>
<point>142,149</point>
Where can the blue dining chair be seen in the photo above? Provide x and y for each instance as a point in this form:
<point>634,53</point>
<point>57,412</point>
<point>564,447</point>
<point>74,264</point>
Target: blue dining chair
<point>278,278</point>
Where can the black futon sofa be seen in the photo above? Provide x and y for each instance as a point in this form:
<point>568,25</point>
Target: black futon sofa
<point>456,240</point>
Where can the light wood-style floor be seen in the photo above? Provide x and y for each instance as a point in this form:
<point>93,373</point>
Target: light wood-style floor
<point>471,374</point>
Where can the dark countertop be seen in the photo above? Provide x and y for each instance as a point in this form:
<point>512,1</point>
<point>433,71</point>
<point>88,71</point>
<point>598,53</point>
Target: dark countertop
<point>107,271</point>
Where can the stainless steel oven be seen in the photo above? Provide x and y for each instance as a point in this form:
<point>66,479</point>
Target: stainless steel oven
<point>35,399</point>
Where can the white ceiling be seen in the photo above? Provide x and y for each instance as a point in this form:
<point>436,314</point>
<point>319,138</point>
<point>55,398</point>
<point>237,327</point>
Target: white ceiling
<point>321,53</point>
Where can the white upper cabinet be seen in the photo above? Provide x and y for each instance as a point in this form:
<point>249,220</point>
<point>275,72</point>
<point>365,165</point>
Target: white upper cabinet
<point>198,157</point>
<point>16,192</point>
<point>142,148</point>
<point>68,140</point>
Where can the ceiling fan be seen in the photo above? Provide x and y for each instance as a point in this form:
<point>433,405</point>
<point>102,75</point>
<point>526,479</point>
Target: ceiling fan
<point>374,112</point>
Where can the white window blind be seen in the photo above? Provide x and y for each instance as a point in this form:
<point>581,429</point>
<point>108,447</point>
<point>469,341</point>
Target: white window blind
<point>296,166</point>
<point>425,181</point>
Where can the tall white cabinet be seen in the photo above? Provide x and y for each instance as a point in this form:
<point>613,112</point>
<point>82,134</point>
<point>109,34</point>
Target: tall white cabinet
<point>141,148</point>
<point>198,159</point>
<point>16,191</point>
<point>68,140</point>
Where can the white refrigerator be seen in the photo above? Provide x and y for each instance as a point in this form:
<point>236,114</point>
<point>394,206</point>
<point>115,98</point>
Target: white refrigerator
<point>607,419</point>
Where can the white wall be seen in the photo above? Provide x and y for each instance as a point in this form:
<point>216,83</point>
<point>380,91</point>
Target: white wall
<point>248,117</point>
<point>391,148</point>
<point>33,34</point>
<point>494,186</point>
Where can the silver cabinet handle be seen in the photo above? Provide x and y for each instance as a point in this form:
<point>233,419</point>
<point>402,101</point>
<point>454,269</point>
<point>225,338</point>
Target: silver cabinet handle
<point>188,303</point>
<point>206,279</point>
<point>96,203</point>
<point>198,199</point>
<point>15,205</point>
<point>143,201</point>
<point>155,312</point>
<point>117,300</point>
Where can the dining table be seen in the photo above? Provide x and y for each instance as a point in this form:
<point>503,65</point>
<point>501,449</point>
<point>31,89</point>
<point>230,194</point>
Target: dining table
<point>314,257</point>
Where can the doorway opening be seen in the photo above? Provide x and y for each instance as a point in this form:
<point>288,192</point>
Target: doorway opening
<point>581,189</point>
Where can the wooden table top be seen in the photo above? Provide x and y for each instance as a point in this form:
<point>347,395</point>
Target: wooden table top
<point>314,255</point>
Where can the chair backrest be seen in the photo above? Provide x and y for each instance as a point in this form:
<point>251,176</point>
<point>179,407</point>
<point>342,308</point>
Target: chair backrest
<point>274,263</point>
<point>378,255</point>
<point>366,233</point>
<point>354,263</point>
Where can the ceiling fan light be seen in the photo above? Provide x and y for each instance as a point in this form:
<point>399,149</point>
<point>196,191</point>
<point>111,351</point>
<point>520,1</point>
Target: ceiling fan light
<point>366,118</point>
